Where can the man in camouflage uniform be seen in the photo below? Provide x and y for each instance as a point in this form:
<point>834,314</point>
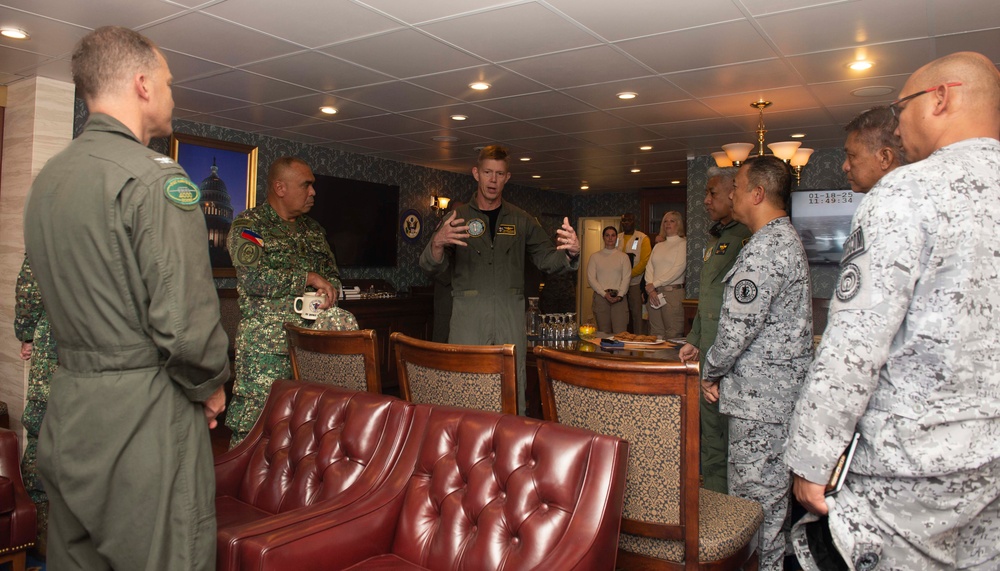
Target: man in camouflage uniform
<point>489,239</point>
<point>727,239</point>
<point>279,253</point>
<point>116,241</point>
<point>872,148</point>
<point>31,326</point>
<point>911,355</point>
<point>757,364</point>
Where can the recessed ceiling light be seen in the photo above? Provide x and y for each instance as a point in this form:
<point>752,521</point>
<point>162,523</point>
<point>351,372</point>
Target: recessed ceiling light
<point>627,95</point>
<point>479,85</point>
<point>646,148</point>
<point>797,135</point>
<point>636,170</point>
<point>459,117</point>
<point>536,176</point>
<point>584,186</point>
<point>860,65</point>
<point>329,110</point>
<point>873,91</point>
<point>525,159</point>
<point>444,139</point>
<point>14,33</point>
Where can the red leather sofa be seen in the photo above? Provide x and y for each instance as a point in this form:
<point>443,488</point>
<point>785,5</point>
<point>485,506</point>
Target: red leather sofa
<point>316,448</point>
<point>469,490</point>
<point>17,512</point>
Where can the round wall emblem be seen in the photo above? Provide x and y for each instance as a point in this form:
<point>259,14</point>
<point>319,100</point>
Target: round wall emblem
<point>850,282</point>
<point>476,227</point>
<point>745,291</point>
<point>410,225</point>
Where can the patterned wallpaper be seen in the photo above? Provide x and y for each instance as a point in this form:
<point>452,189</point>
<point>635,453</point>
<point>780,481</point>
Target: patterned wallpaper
<point>417,184</point>
<point>822,172</point>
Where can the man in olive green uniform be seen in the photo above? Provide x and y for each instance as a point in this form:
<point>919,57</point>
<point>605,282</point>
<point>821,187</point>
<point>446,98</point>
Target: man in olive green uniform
<point>116,241</point>
<point>278,253</point>
<point>728,238</point>
<point>490,239</point>
<point>31,326</point>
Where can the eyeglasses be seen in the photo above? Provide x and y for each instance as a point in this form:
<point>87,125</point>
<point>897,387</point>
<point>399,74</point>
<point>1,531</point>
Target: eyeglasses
<point>894,106</point>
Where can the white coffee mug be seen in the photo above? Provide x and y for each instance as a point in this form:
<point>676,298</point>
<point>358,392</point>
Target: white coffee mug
<point>308,305</point>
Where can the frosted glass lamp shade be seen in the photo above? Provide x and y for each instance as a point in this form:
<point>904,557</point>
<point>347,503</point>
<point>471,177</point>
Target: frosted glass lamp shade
<point>738,152</point>
<point>801,157</point>
<point>721,160</point>
<point>784,150</point>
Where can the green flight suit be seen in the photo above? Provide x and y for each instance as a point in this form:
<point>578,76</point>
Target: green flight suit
<point>272,258</point>
<point>487,279</point>
<point>720,254</point>
<point>117,243</point>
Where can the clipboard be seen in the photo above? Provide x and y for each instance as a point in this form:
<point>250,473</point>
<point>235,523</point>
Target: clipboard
<point>843,465</point>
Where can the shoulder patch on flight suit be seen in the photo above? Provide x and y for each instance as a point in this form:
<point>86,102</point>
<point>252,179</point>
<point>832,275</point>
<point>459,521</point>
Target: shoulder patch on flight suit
<point>164,161</point>
<point>182,193</point>
<point>506,230</point>
<point>476,227</point>
<point>721,249</point>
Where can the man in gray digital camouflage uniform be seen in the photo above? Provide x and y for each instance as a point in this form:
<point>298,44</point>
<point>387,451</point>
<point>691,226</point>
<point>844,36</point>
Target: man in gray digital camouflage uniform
<point>759,359</point>
<point>911,354</point>
<point>872,148</point>
<point>278,252</point>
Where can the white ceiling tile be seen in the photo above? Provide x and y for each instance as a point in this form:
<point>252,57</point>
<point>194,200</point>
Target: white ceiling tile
<point>761,75</point>
<point>388,143</point>
<point>247,86</point>
<point>694,128</point>
<point>292,136</point>
<point>761,7</point>
<point>200,35</point>
<point>732,42</point>
<point>548,142</point>
<point>332,131</point>
<point>418,12</point>
<point>47,37</point>
<point>56,69</point>
<point>782,121</point>
<point>503,131</point>
<point>502,82</point>
<point>476,115</point>
<point>664,112</point>
<point>781,100</point>
<point>184,67</point>
<point>403,53</point>
<point>986,42</point>
<point>390,124</point>
<point>839,92</point>
<point>889,59</point>
<point>536,105</point>
<point>846,25</point>
<point>652,89</point>
<point>510,33</point>
<point>613,136</point>
<point>396,96</point>
<point>644,17</point>
<point>320,22</point>
<point>202,102</point>
<point>267,116</point>
<point>580,122</point>
<point>317,71</point>
<point>226,122</point>
<point>14,61</point>
<point>956,16</point>
<point>602,64</point>
<point>310,104</point>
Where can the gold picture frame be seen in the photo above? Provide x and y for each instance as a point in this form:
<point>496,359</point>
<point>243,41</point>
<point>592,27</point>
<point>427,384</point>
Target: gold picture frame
<point>235,167</point>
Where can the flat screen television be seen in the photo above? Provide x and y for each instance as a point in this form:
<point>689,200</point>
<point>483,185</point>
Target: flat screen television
<point>823,220</point>
<point>361,220</point>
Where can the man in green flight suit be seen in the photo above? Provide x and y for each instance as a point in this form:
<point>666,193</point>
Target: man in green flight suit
<point>490,238</point>
<point>31,326</point>
<point>728,238</point>
<point>278,252</point>
<point>116,241</point>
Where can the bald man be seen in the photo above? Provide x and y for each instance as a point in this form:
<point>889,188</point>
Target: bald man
<point>911,355</point>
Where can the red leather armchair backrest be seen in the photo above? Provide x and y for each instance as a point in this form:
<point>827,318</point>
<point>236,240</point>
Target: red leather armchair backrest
<point>317,442</point>
<point>493,491</point>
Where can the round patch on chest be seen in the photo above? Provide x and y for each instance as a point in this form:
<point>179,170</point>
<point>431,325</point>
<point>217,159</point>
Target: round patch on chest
<point>476,227</point>
<point>745,291</point>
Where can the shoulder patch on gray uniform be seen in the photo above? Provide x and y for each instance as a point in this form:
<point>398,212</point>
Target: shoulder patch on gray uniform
<point>182,193</point>
<point>745,291</point>
<point>854,246</point>
<point>850,282</point>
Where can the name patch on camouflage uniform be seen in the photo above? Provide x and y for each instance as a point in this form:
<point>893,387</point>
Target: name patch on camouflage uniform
<point>721,249</point>
<point>182,193</point>
<point>745,291</point>
<point>506,230</point>
<point>854,246</point>
<point>476,227</point>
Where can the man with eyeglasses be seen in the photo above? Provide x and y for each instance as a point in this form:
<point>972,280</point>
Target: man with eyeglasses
<point>911,354</point>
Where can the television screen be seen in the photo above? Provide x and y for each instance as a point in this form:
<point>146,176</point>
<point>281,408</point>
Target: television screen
<point>360,219</point>
<point>823,220</point>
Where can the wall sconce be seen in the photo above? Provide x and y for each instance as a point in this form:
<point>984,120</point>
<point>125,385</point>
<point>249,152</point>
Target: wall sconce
<point>799,160</point>
<point>439,204</point>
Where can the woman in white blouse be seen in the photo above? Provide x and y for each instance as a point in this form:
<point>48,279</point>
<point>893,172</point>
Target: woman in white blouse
<point>608,272</point>
<point>665,276</point>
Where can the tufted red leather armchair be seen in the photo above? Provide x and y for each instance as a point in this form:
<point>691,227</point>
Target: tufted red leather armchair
<point>473,490</point>
<point>316,448</point>
<point>17,512</point>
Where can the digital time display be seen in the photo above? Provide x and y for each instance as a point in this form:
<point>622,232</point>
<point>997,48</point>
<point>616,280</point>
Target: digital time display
<point>827,197</point>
